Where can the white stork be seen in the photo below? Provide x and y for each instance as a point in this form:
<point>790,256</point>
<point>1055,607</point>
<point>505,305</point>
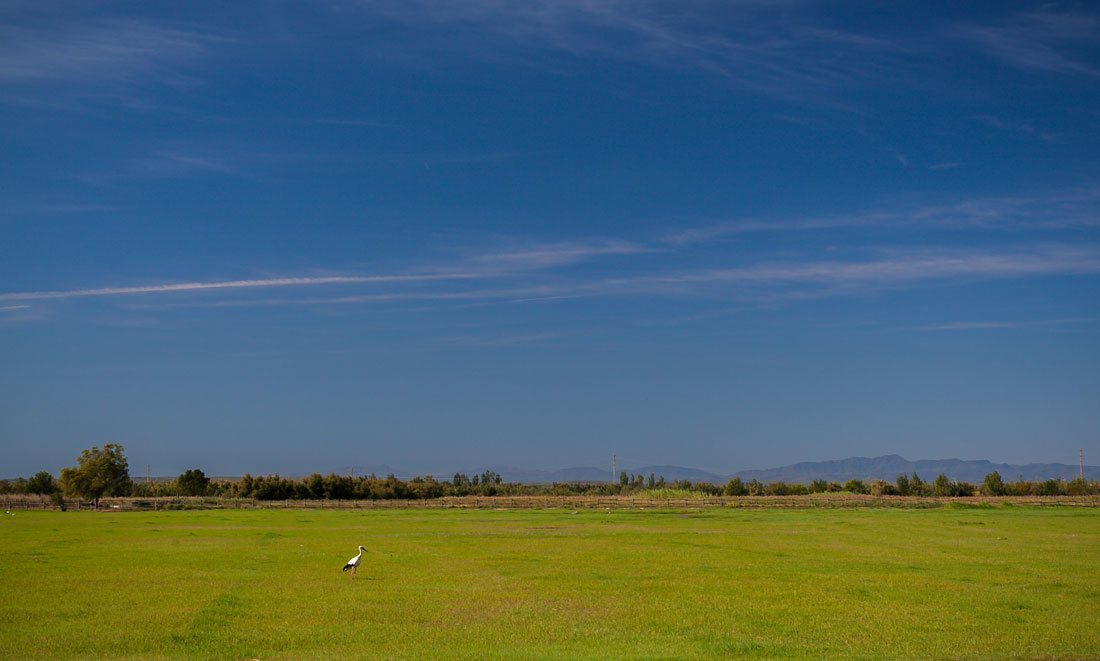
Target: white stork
<point>353,564</point>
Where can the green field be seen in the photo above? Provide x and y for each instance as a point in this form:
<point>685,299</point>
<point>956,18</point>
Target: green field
<point>992,582</point>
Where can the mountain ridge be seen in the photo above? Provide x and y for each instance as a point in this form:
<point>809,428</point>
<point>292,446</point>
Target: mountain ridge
<point>885,467</point>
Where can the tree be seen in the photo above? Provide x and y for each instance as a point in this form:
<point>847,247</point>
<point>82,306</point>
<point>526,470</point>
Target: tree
<point>193,482</point>
<point>42,483</point>
<point>879,488</point>
<point>491,477</point>
<point>941,486</point>
<point>903,485</point>
<point>735,488</point>
<point>993,485</point>
<point>98,473</point>
<point>855,486</point>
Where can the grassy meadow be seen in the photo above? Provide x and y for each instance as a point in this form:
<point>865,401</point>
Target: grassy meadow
<point>992,582</point>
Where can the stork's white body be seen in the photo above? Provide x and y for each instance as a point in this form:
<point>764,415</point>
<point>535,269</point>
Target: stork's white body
<point>353,564</point>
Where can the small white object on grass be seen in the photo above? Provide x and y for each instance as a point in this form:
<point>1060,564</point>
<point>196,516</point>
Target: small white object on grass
<point>353,564</point>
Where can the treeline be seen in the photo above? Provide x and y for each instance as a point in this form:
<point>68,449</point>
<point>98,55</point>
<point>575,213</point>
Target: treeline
<point>913,485</point>
<point>105,473</point>
<point>368,487</point>
<point>371,487</point>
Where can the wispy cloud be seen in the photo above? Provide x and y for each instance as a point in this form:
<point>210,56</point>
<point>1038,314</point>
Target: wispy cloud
<point>547,255</point>
<point>226,285</point>
<point>352,122</point>
<point>59,208</point>
<point>1076,208</point>
<point>119,50</point>
<point>997,325</point>
<point>771,280</point>
<point>492,341</point>
<point>1026,128</point>
<point>895,269</point>
<point>799,279</point>
<point>756,46</point>
<point>1048,40</point>
<point>197,160</point>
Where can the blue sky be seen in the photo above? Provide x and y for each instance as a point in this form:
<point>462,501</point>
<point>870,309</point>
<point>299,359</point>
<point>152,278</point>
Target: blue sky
<point>295,237</point>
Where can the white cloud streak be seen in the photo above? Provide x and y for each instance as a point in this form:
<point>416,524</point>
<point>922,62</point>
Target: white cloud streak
<point>770,280</point>
<point>756,46</point>
<point>120,50</point>
<point>226,285</point>
<point>549,255</point>
<point>1065,210</point>
<point>892,271</point>
<point>999,325</point>
<point>1045,41</point>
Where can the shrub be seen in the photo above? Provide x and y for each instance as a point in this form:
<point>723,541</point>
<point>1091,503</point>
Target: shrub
<point>42,483</point>
<point>993,485</point>
<point>855,486</point>
<point>735,488</point>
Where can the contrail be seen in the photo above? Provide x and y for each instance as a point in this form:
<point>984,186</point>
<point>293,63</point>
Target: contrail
<point>225,284</point>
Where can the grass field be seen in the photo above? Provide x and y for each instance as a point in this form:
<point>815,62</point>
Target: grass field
<point>995,582</point>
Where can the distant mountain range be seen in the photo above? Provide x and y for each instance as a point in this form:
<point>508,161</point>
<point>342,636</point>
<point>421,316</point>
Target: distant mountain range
<point>890,466</point>
<point>887,467</point>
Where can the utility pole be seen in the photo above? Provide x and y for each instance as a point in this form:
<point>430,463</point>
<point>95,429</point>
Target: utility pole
<point>1081,464</point>
<point>614,473</point>
<point>148,473</point>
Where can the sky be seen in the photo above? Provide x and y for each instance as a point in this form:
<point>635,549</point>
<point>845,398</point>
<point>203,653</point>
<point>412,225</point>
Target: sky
<point>296,237</point>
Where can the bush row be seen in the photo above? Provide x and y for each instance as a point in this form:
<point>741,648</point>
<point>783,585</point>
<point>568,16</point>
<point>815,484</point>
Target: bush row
<point>489,483</point>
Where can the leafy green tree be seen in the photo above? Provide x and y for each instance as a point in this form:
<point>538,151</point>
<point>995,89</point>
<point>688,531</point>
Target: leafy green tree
<point>1077,487</point>
<point>1052,488</point>
<point>193,482</point>
<point>941,486</point>
<point>879,488</point>
<point>316,485</point>
<point>623,479</point>
<point>735,487</point>
<point>819,486</point>
<point>963,489</point>
<point>491,477</point>
<point>993,485</point>
<point>777,489</point>
<point>855,486</point>
<point>42,483</point>
<point>903,485</point>
<point>98,473</point>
